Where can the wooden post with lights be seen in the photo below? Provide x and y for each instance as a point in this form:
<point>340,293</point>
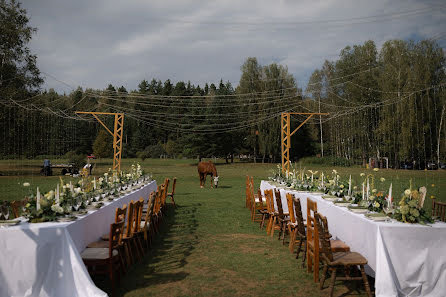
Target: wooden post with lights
<point>117,134</point>
<point>286,135</point>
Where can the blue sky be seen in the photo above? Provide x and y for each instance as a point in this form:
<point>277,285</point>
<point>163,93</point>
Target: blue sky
<point>93,43</point>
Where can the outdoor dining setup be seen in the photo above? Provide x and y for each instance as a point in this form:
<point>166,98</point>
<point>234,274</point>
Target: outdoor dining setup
<point>387,243</point>
<point>59,239</point>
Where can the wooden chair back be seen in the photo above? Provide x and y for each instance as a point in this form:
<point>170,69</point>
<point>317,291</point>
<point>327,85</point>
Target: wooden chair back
<point>174,183</point>
<point>15,208</point>
<point>289,200</point>
<point>299,217</point>
<point>115,239</point>
<point>439,209</point>
<point>269,200</point>
<point>121,213</point>
<point>130,220</point>
<point>322,229</point>
<point>278,202</point>
<point>311,226</point>
<point>166,186</point>
<point>251,190</point>
<point>150,204</point>
<point>138,215</point>
<point>158,199</point>
<point>312,240</point>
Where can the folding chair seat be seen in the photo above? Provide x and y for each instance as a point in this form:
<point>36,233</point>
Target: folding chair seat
<point>106,260</point>
<point>334,260</point>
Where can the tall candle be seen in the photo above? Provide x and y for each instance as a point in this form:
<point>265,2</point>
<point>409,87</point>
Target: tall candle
<point>311,177</point>
<point>57,194</point>
<point>38,199</point>
<point>71,188</point>
<point>368,188</point>
<point>350,185</point>
<point>94,183</point>
<point>389,200</point>
<point>322,179</point>
<point>363,191</point>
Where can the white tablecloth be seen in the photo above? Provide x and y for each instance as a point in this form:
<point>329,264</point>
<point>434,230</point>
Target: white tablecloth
<point>44,259</point>
<point>406,259</point>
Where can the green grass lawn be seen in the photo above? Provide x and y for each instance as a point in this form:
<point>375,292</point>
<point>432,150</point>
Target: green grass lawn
<point>208,246</point>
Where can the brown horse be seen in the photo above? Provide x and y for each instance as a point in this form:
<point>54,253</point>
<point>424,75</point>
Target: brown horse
<point>207,168</point>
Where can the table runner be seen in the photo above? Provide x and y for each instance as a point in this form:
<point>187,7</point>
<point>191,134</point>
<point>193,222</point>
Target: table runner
<point>44,260</point>
<point>406,259</point>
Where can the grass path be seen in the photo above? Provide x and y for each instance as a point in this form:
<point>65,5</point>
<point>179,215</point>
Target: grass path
<point>209,247</point>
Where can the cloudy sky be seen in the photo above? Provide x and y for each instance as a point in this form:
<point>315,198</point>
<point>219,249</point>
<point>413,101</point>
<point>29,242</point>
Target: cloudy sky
<point>91,43</point>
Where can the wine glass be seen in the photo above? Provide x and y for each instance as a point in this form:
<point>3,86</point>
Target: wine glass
<point>6,213</point>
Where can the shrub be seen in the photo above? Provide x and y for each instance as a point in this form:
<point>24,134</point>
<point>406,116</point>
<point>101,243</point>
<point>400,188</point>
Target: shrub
<point>77,159</point>
<point>151,151</point>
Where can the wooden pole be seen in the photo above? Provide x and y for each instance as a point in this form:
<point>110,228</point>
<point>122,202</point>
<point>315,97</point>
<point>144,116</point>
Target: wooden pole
<point>286,135</point>
<point>117,134</point>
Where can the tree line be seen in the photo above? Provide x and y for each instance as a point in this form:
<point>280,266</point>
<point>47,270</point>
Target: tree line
<point>387,102</point>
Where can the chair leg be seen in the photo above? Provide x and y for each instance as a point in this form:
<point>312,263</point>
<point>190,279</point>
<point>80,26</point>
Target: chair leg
<point>316,268</point>
<point>111,277</point>
<point>262,223</point>
<point>366,281</point>
<point>273,226</point>
<point>332,281</point>
<point>324,273</point>
<point>309,262</point>
<point>304,253</point>
<point>268,227</point>
<point>299,248</point>
<point>293,234</point>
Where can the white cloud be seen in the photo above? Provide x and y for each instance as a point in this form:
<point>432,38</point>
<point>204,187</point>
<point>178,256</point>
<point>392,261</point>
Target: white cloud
<point>94,43</point>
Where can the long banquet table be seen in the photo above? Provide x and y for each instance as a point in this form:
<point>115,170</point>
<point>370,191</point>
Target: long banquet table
<point>44,260</point>
<point>405,259</point>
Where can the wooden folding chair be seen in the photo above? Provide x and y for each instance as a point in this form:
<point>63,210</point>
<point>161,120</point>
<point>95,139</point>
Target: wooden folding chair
<point>271,210</point>
<point>146,224</point>
<point>439,210</point>
<point>163,198</point>
<point>335,260</point>
<point>171,194</point>
<point>106,260</point>
<point>292,224</point>
<point>138,232</point>
<point>280,218</point>
<point>313,241</point>
<point>120,215</point>
<point>258,207</point>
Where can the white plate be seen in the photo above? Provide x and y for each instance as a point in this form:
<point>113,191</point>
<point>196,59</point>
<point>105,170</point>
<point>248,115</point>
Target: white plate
<point>66,219</point>
<point>379,218</point>
<point>359,210</point>
<point>8,223</point>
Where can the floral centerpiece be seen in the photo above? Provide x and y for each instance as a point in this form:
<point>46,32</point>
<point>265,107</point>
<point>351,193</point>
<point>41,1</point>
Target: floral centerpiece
<point>411,207</point>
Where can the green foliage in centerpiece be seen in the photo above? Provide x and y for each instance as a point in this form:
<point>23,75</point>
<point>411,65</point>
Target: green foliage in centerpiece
<point>411,207</point>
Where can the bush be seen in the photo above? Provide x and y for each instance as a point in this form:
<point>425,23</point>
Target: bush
<point>151,151</point>
<point>327,161</point>
<point>77,159</point>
